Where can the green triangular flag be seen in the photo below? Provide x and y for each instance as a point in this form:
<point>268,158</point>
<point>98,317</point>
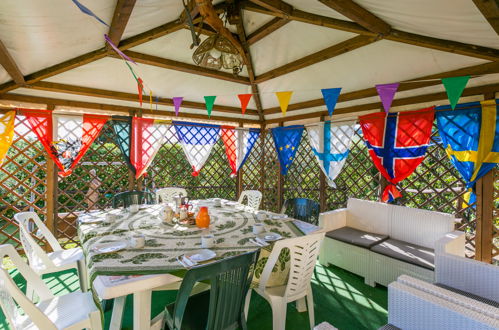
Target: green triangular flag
<point>209,101</point>
<point>454,87</point>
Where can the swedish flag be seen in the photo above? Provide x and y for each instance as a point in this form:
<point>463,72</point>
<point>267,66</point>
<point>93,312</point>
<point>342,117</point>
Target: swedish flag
<point>470,135</point>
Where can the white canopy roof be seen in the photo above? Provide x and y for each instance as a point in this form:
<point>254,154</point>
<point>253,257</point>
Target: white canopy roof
<point>41,34</point>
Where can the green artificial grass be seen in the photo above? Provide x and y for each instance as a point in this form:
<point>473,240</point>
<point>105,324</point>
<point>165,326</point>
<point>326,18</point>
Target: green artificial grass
<point>341,298</point>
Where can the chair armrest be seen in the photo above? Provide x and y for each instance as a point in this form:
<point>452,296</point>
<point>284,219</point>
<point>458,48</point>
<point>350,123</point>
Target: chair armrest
<point>468,275</point>
<point>332,220</point>
<point>452,243</point>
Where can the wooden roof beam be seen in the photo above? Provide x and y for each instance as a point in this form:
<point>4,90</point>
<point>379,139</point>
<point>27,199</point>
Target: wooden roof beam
<point>358,14</point>
<point>249,65</point>
<point>122,96</point>
<point>8,63</point>
<point>424,81</point>
<point>118,108</point>
<point>277,6</point>
<point>266,29</point>
<point>450,46</point>
<point>478,90</point>
<point>184,67</point>
<point>490,10</point>
<point>322,55</point>
<point>122,13</point>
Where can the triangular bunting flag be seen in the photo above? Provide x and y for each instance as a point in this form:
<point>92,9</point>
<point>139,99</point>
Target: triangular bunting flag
<point>330,96</point>
<point>73,135</point>
<point>177,101</point>
<point>140,87</point>
<point>238,144</point>
<point>283,98</point>
<point>286,140</point>
<point>148,136</point>
<point>244,99</point>
<point>122,127</point>
<point>386,93</point>
<point>209,101</point>
<point>454,87</point>
<point>330,143</point>
<point>6,132</point>
<point>197,140</point>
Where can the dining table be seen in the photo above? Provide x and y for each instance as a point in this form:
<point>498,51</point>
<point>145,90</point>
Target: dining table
<point>166,243</point>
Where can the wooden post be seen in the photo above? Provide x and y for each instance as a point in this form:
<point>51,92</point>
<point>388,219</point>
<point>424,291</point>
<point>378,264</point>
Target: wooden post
<point>322,186</point>
<point>484,217</point>
<point>239,178</point>
<point>51,206</point>
<point>382,185</point>
<point>263,136</point>
<point>280,184</point>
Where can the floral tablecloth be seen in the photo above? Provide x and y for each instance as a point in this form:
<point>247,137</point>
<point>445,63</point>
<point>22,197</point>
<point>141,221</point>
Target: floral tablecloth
<point>232,228</point>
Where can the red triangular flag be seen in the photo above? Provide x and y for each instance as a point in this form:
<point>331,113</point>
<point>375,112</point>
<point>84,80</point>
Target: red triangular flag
<point>244,99</point>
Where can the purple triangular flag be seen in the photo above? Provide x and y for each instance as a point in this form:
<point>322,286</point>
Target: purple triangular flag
<point>386,93</point>
<point>177,101</point>
<point>330,96</point>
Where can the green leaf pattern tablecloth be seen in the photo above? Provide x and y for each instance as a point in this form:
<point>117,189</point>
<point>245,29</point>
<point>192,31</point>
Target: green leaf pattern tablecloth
<point>231,227</point>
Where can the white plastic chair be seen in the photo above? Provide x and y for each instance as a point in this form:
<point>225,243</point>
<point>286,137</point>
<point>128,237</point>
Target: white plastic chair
<point>303,252</point>
<point>254,198</point>
<point>73,311</point>
<point>165,195</point>
<point>42,262</point>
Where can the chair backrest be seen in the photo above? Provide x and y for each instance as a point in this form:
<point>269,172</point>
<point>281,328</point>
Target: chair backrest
<point>33,250</point>
<point>165,195</point>
<point>128,198</point>
<point>303,253</point>
<point>254,198</point>
<point>302,209</point>
<point>10,293</point>
<point>230,280</point>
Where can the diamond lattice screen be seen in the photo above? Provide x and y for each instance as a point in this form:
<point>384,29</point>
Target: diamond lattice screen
<point>495,224</point>
<point>100,174</point>
<point>22,181</point>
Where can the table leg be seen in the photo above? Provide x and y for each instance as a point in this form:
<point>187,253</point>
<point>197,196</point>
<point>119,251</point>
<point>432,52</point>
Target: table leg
<point>117,314</point>
<point>142,310</point>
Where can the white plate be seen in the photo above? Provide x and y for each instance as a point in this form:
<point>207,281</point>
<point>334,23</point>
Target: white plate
<point>109,247</point>
<point>279,216</point>
<point>270,237</point>
<point>201,255</point>
<point>90,219</point>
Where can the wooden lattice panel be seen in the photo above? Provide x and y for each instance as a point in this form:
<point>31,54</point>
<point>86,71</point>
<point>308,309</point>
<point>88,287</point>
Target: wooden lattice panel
<point>302,180</point>
<point>171,168</point>
<point>359,177</point>
<point>252,171</point>
<point>22,181</point>
<point>83,191</point>
<point>495,224</point>
<point>271,174</point>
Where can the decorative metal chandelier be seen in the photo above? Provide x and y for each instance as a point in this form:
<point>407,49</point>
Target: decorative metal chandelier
<point>217,52</point>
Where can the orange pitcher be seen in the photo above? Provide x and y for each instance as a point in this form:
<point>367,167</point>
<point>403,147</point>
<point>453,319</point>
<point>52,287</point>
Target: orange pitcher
<point>203,218</point>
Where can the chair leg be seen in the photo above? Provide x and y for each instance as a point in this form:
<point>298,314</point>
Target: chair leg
<point>82,275</point>
<point>310,305</point>
<point>117,314</point>
<point>301,305</point>
<point>30,292</point>
<point>95,320</point>
<point>278,314</point>
<point>247,303</point>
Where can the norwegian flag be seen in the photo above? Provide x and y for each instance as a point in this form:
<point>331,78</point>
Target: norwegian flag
<point>397,144</point>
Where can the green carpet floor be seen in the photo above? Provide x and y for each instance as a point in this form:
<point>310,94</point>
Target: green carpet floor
<point>340,297</point>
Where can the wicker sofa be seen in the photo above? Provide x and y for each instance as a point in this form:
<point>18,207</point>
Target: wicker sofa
<point>465,296</point>
<point>381,241</point>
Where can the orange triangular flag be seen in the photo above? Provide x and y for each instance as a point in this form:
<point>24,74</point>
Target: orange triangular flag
<point>283,98</point>
<point>244,99</point>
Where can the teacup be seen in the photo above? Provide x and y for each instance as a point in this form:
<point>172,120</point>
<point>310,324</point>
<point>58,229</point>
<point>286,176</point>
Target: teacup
<point>261,215</point>
<point>133,208</point>
<point>207,241</point>
<point>258,228</point>
<point>111,217</point>
<point>138,241</point>
<point>217,202</point>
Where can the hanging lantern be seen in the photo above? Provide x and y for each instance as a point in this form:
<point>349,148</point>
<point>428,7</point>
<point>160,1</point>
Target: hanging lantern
<point>217,52</point>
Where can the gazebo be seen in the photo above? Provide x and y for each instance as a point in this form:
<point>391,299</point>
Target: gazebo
<point>330,101</point>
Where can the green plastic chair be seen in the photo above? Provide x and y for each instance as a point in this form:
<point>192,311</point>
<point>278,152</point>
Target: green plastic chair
<point>222,307</point>
<point>128,198</point>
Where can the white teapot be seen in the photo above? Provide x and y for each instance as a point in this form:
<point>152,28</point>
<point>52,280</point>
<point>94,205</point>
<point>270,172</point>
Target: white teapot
<point>166,214</point>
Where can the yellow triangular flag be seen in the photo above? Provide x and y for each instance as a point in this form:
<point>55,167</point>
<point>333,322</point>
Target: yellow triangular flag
<point>283,98</point>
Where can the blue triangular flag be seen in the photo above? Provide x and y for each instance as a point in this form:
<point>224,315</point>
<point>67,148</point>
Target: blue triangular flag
<point>330,98</point>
